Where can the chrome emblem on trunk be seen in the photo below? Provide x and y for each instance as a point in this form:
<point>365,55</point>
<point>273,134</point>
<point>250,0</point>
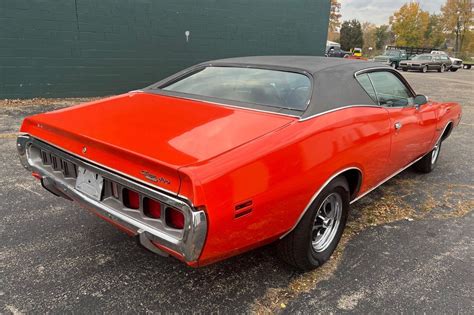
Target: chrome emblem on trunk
<point>154,178</point>
<point>84,150</point>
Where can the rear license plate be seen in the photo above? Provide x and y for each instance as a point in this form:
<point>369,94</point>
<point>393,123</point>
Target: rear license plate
<point>89,183</point>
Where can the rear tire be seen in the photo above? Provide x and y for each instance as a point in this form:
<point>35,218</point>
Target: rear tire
<point>428,162</point>
<point>308,246</point>
<point>393,65</point>
<point>405,69</point>
<point>453,69</point>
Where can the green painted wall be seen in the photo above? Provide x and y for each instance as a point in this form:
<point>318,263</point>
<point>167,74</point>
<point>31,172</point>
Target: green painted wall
<point>60,48</point>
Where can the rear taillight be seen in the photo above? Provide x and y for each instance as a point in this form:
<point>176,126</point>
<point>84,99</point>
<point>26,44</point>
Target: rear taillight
<point>131,199</point>
<point>174,218</point>
<point>151,208</point>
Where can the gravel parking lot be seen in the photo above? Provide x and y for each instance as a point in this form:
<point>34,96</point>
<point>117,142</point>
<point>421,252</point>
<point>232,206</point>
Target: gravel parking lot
<point>409,245</point>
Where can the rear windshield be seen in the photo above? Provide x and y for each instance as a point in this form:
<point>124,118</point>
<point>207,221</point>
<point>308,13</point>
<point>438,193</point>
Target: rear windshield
<point>281,89</point>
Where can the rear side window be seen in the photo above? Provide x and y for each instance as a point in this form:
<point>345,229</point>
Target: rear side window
<point>386,89</point>
<point>391,92</point>
<point>367,85</point>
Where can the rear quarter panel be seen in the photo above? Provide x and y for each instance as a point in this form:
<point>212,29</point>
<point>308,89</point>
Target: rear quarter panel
<point>281,171</point>
<point>448,112</point>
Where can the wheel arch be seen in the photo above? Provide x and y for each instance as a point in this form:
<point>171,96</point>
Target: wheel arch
<point>447,131</point>
<point>354,179</point>
<point>353,175</point>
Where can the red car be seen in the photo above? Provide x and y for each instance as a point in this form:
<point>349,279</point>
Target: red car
<point>233,154</point>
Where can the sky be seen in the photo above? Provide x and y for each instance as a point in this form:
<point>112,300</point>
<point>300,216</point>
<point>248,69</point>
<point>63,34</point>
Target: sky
<point>378,11</point>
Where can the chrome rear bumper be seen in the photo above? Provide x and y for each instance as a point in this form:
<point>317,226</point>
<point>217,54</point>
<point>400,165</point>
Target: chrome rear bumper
<point>187,243</point>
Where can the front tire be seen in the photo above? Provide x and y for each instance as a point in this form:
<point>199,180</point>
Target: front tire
<point>424,69</point>
<point>442,68</point>
<point>393,65</point>
<point>428,162</point>
<point>453,69</point>
<point>316,236</point>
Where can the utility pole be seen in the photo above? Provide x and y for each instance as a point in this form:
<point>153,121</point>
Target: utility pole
<point>458,26</point>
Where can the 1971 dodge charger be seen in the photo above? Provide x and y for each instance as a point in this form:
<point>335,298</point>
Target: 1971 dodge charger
<point>233,154</point>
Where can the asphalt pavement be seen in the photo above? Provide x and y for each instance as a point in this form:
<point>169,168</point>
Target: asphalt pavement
<point>409,245</point>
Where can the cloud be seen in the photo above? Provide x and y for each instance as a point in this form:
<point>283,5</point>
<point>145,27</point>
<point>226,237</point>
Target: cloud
<point>379,11</point>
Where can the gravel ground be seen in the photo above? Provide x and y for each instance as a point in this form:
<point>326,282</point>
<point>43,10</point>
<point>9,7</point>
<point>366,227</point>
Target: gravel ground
<point>408,246</point>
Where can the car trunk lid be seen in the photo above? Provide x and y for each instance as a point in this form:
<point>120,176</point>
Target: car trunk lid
<point>150,136</point>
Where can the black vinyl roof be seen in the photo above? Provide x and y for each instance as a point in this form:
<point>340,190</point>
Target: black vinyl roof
<point>310,64</point>
<point>334,83</point>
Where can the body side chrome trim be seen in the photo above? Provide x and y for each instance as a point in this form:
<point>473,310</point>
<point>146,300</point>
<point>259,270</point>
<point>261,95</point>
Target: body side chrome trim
<point>337,109</point>
<point>317,194</point>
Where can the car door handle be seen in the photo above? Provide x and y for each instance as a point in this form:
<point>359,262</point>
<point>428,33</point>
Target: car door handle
<point>398,125</point>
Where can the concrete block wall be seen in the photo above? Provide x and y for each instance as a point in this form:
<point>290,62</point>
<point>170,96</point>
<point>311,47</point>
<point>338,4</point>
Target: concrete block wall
<point>51,48</point>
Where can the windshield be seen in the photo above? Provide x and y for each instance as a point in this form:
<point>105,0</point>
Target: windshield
<point>392,53</point>
<point>422,57</point>
<point>274,88</point>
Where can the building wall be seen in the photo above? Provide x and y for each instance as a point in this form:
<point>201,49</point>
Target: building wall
<point>51,48</point>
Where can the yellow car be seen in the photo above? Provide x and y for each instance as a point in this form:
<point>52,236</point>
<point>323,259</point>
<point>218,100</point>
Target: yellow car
<point>357,52</point>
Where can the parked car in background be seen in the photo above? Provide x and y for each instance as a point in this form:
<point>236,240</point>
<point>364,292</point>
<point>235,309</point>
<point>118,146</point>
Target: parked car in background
<point>427,62</point>
<point>456,62</point>
<point>233,154</point>
<point>395,54</point>
<point>357,52</point>
<point>392,57</point>
<point>336,51</point>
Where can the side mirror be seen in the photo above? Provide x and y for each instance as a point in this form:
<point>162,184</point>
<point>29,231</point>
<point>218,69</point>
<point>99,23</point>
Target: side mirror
<point>420,100</point>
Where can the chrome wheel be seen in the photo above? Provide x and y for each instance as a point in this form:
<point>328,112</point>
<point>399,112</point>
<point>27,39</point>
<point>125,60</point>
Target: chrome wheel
<point>435,153</point>
<point>326,222</point>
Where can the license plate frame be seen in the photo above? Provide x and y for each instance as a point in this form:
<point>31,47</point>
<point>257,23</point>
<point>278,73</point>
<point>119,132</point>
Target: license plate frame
<point>89,183</point>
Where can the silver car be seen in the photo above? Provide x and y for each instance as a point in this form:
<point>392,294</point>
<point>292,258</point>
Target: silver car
<point>427,62</point>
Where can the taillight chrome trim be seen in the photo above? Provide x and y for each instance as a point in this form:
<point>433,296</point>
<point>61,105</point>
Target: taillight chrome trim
<point>188,242</point>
